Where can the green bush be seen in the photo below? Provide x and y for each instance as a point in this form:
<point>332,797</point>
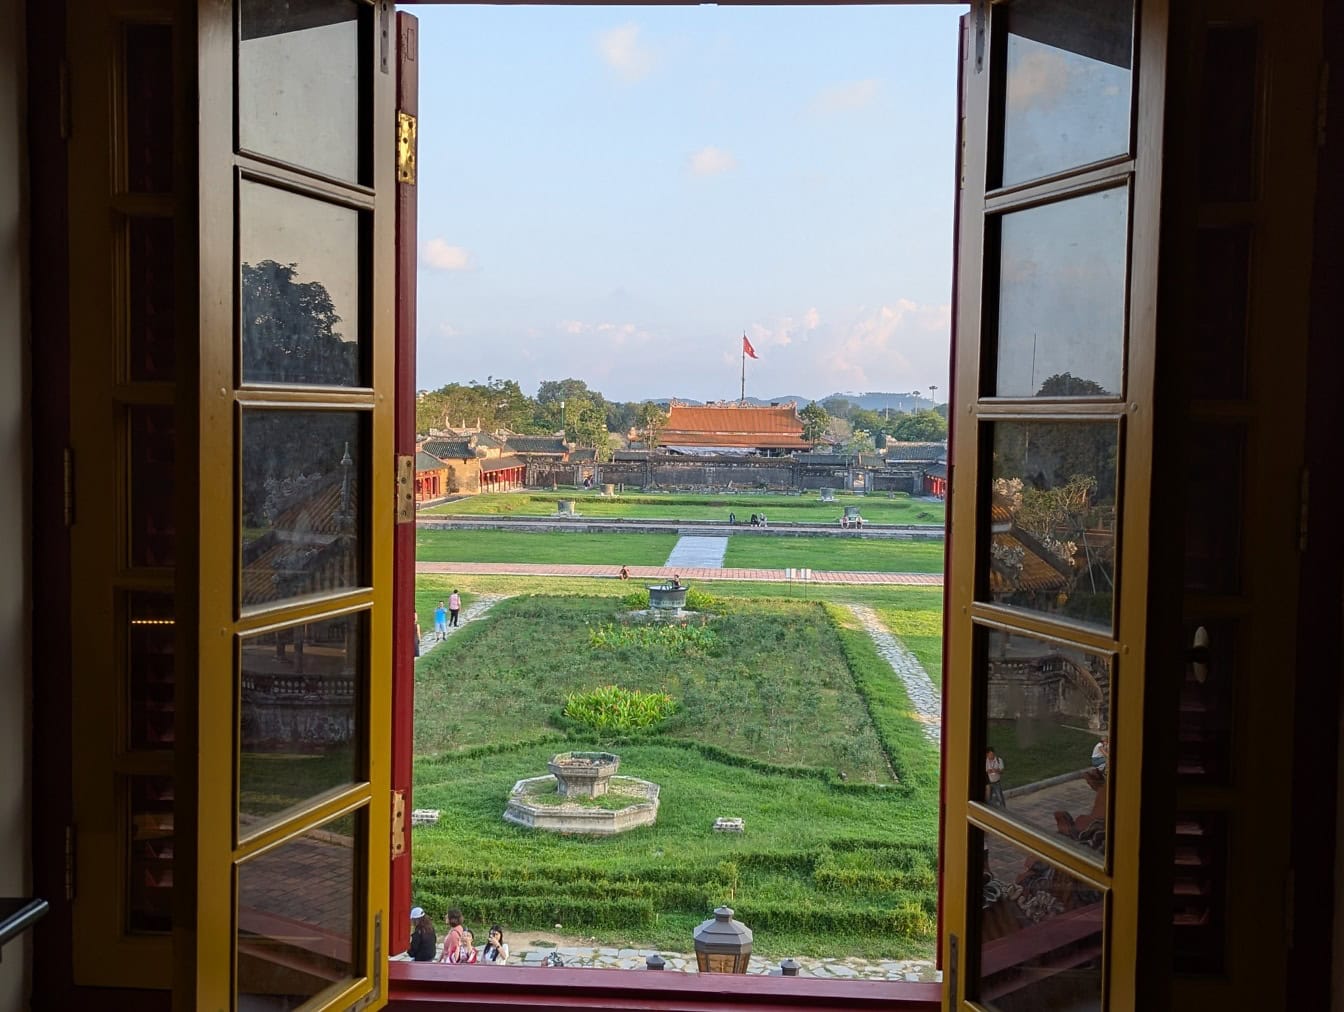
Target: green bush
<point>612,709</point>
<point>670,637</point>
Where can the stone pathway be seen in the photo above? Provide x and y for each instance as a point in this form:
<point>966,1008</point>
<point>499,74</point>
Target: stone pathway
<point>692,550</point>
<point>688,574</point>
<point>470,613</point>
<point>612,958</point>
<point>924,696</point>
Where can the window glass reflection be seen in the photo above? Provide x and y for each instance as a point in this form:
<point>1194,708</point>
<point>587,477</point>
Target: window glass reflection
<point>299,725</point>
<point>1061,309</point>
<point>1047,741</point>
<point>149,855</point>
<point>299,288</point>
<point>1053,519</point>
<point>150,640</point>
<point>1066,86</point>
<point>1041,941</point>
<point>296,931</point>
<point>303,514</point>
<point>298,84</point>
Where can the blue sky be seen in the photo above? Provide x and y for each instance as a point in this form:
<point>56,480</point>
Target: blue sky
<point>617,193</point>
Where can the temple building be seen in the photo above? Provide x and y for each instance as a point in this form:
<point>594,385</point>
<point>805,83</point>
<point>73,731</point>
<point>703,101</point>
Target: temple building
<point>733,429</point>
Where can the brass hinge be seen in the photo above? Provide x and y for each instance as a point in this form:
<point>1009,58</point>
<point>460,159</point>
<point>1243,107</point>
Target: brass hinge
<point>406,148</point>
<point>68,480</point>
<point>398,823</point>
<point>405,488</point>
<point>1303,503</point>
<point>377,993</point>
<point>69,863</point>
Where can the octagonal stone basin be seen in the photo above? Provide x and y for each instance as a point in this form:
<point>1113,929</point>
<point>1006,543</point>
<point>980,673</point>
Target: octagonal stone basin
<point>583,774</point>
<point>570,816</point>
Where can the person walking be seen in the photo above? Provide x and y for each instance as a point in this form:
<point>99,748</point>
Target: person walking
<point>418,637</point>
<point>495,950</point>
<point>422,936</point>
<point>441,621</point>
<point>454,606</point>
<point>993,778</point>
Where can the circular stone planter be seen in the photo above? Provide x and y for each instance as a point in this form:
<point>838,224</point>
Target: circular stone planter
<point>583,774</point>
<point>572,817</point>
<point>665,597</point>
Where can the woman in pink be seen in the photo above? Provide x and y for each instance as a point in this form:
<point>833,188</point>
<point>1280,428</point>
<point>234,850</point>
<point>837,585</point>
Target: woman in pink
<point>454,940</point>
<point>454,606</point>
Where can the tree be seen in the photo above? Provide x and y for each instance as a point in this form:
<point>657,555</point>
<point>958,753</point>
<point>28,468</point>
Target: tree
<point>651,420</point>
<point>920,427</point>
<point>860,441</point>
<point>1065,384</point>
<point>815,419</point>
<point>289,330</point>
<point>838,407</point>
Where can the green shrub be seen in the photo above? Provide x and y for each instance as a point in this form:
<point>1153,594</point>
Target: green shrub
<point>612,709</point>
<point>670,637</point>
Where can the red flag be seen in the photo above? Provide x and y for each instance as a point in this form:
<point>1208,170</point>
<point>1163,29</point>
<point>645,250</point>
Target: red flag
<point>747,349</point>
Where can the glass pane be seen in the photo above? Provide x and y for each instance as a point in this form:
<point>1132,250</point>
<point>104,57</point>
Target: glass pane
<point>1066,85</point>
<point>149,108</point>
<point>150,637</point>
<point>1205,732</point>
<point>299,288</point>
<point>298,84</point>
<point>303,503</point>
<point>1047,745</point>
<point>1061,309</point>
<point>149,878</point>
<point>1199,892</point>
<point>151,254</point>
<point>1227,118</point>
<point>153,525</point>
<point>297,917</point>
<point>300,723</point>
<point>1213,512</point>
<point>1040,934</point>
<point>1053,519</point>
<point>1218,351</point>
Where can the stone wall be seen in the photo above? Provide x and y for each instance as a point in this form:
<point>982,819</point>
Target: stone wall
<point>741,473</point>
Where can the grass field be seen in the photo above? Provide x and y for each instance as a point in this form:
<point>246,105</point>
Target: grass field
<point>872,555</point>
<point>750,551</point>
<point>551,546</point>
<point>777,698</point>
<point>1036,749</point>
<point>805,508</point>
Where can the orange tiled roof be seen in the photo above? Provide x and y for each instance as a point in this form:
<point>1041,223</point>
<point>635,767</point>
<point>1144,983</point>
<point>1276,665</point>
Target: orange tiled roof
<point>734,425</point>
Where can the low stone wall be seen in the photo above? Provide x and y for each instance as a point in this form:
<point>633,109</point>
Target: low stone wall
<point>740,473</point>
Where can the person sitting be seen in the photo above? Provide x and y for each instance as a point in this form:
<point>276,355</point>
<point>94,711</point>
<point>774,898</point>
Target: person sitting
<point>466,949</point>
<point>1101,754</point>
<point>676,582</point>
<point>454,940</point>
<point>495,950</point>
<point>625,573</point>
<point>763,523</point>
<point>423,938</point>
<point>755,520</point>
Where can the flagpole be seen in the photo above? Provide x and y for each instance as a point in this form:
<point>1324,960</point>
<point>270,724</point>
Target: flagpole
<point>742,398</point>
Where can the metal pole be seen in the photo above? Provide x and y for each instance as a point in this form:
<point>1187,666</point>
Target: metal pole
<point>742,397</point>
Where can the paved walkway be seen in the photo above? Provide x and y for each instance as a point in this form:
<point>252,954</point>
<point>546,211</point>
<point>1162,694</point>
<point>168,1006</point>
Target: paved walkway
<point>471,612</point>
<point>924,695</point>
<point>611,958</point>
<point>695,552</point>
<point>687,574</point>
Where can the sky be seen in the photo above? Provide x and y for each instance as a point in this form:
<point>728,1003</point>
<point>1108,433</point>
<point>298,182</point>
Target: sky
<point>617,194</point>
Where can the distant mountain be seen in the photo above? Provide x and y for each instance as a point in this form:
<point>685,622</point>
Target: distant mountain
<point>872,400</point>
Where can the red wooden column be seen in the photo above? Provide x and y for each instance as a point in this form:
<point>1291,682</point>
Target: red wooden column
<point>403,594</point>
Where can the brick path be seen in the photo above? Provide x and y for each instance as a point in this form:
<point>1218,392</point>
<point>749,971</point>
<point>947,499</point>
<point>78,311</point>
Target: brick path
<point>639,573</point>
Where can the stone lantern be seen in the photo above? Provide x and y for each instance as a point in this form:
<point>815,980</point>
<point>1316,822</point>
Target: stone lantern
<point>722,945</point>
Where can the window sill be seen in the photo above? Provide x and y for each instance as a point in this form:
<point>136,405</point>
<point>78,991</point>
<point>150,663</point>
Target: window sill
<point>420,985</point>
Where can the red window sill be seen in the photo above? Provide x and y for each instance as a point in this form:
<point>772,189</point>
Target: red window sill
<point>420,985</point>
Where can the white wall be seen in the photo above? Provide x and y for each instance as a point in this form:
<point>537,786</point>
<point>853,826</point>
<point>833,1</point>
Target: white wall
<point>15,483</point>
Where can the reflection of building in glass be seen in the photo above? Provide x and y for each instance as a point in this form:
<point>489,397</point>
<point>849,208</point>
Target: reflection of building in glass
<point>299,687</point>
<point>1032,679</point>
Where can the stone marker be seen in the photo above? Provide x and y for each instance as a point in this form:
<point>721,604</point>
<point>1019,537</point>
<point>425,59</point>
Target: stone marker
<point>425,817</point>
<point>729,825</point>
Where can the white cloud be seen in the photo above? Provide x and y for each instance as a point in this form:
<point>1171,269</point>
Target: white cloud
<point>441,256</point>
<point>812,319</point>
<point>711,161</point>
<point>624,52</point>
<point>843,97</point>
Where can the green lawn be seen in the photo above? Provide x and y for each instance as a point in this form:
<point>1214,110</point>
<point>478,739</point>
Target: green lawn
<point>1037,749</point>
<point>919,624</point>
<point>555,547</point>
<point>805,508</point>
<point>776,700</point>
<point>871,555</point>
